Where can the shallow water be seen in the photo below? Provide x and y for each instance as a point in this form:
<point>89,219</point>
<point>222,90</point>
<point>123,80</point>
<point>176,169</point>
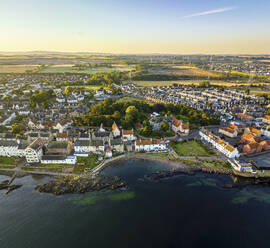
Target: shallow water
<point>183,211</point>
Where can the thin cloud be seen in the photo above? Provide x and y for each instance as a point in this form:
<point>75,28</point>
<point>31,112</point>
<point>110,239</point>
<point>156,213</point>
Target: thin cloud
<point>209,12</point>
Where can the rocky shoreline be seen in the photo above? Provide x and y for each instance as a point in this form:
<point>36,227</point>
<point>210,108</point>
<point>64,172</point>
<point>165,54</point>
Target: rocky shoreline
<point>70,184</point>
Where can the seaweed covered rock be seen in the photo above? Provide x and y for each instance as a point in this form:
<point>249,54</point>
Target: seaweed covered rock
<point>71,184</point>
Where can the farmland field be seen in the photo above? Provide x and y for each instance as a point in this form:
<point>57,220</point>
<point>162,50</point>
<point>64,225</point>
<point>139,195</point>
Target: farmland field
<point>70,69</point>
<point>180,70</point>
<point>16,68</point>
<point>89,87</point>
<point>186,82</point>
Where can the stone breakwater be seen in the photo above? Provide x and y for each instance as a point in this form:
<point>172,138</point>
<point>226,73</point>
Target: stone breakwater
<point>188,171</point>
<point>217,171</point>
<point>69,184</point>
<point>174,172</point>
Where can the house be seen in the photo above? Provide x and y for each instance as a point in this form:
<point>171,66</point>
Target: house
<point>34,151</point>
<point>115,130</point>
<point>55,147</point>
<point>32,124</point>
<point>150,145</point>
<point>227,131</point>
<point>266,119</point>
<point>247,139</point>
<point>237,127</point>
<point>155,122</point>
<point>252,148</point>
<point>10,148</point>
<point>58,159</point>
<point>221,145</point>
<point>101,134</point>
<point>128,135</point>
<point>266,131</point>
<point>62,125</point>
<point>117,145</point>
<point>62,136</point>
<point>32,136</point>
<point>82,148</point>
<point>96,146</point>
<point>253,131</point>
<point>244,117</point>
<point>179,127</point>
<point>84,136</point>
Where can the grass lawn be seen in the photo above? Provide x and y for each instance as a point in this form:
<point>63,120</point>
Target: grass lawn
<point>216,164</point>
<point>7,160</point>
<point>206,163</point>
<point>191,148</point>
<point>85,163</point>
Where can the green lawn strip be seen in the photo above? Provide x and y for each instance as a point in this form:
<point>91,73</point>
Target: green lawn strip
<point>192,148</point>
<point>42,169</point>
<point>53,165</point>
<point>7,160</point>
<point>158,155</point>
<point>7,166</point>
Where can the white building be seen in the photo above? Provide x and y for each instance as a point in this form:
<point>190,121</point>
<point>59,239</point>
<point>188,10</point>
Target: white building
<point>221,145</point>
<point>128,135</point>
<point>150,145</point>
<point>266,131</point>
<point>10,148</point>
<point>82,148</point>
<point>34,152</point>
<point>58,159</point>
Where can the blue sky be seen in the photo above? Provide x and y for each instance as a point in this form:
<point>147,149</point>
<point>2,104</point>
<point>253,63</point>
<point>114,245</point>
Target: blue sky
<point>142,26</point>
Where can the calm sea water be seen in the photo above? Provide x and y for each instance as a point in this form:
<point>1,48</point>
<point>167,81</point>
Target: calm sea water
<point>183,211</point>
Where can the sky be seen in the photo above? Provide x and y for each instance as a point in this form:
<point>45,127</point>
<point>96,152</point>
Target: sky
<point>136,26</point>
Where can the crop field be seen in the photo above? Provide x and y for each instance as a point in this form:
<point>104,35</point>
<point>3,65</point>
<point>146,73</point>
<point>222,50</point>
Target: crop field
<point>183,82</point>
<point>180,70</point>
<point>188,82</point>
<point>193,71</point>
<point>16,68</point>
<point>89,87</point>
<point>69,68</point>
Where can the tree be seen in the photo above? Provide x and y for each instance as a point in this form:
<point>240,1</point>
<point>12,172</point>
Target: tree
<point>165,126</point>
<point>17,129</point>
<point>132,113</point>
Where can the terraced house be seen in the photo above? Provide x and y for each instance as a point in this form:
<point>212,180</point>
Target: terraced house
<point>221,145</point>
<point>150,145</point>
<point>10,148</point>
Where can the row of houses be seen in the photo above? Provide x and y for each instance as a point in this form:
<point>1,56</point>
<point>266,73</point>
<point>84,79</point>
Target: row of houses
<point>221,145</point>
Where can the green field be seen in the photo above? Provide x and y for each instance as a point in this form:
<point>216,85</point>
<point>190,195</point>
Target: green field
<point>192,148</point>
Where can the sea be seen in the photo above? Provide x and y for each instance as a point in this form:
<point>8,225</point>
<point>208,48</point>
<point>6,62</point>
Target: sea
<point>180,211</point>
